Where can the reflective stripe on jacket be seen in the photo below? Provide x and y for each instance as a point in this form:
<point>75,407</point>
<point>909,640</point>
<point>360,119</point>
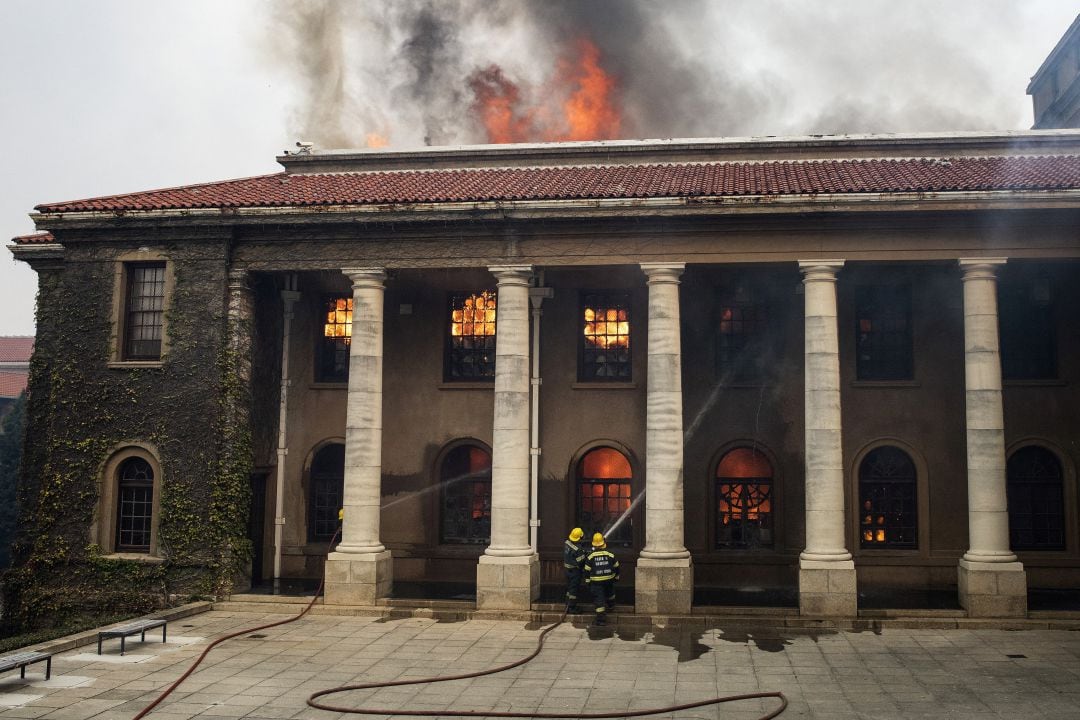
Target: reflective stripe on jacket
<point>601,566</point>
<point>573,556</point>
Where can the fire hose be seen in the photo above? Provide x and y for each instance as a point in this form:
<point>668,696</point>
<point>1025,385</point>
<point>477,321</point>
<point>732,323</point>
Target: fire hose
<point>312,700</point>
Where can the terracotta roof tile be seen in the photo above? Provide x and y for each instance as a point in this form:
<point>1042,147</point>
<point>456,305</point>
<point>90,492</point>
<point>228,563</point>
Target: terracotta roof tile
<point>598,182</point>
<point>41,238</point>
<point>12,383</point>
<point>16,348</point>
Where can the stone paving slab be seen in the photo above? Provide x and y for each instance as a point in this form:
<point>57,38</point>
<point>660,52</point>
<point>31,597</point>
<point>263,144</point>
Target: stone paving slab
<point>889,672</point>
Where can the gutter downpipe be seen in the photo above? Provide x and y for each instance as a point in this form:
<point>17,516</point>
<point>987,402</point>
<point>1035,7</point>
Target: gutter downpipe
<point>536,299</point>
<point>288,296</point>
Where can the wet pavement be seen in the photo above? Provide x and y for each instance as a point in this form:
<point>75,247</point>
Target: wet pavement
<point>835,674</point>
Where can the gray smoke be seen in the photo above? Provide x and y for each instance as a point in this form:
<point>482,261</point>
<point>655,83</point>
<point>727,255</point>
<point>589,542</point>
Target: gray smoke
<point>684,68</point>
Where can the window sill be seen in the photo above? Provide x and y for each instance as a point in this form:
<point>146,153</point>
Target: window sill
<point>137,557</point>
<point>329,386</point>
<point>1049,382</point>
<point>135,364</point>
<point>467,385</point>
<point>886,383</point>
<point>603,385</point>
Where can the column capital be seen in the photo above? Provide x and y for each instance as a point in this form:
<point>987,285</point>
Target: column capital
<point>820,270</point>
<point>369,277</point>
<point>511,274</point>
<point>980,268</point>
<point>663,271</point>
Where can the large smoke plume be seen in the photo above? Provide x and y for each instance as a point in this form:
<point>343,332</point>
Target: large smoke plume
<point>416,72</point>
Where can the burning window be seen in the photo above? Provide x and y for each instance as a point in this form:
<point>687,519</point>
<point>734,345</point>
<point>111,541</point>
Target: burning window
<point>135,505</point>
<point>333,355</point>
<point>144,311</point>
<point>889,514</point>
<point>465,478</point>
<point>605,483</point>
<point>1028,329</point>
<point>883,340</point>
<point>605,339</point>
<point>470,349</point>
<point>742,336</point>
<point>744,492</point>
<point>327,492</point>
<point>1036,500</point>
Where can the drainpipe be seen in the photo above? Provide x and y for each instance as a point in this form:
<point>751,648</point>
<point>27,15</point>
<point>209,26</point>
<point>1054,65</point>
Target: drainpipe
<point>536,298</point>
<point>288,296</point>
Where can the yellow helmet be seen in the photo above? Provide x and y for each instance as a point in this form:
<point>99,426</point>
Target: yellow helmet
<point>576,534</point>
<point>598,540</point>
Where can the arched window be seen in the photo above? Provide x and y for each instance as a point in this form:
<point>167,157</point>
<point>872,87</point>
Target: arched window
<point>604,488</point>
<point>134,505</point>
<point>1036,500</point>
<point>327,491</point>
<point>744,496</point>
<point>465,478</point>
<point>889,516</point>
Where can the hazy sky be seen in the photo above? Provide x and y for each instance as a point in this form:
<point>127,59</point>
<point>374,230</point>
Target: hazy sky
<point>121,95</point>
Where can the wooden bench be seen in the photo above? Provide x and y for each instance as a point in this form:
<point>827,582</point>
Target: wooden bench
<point>123,631</point>
<point>21,660</point>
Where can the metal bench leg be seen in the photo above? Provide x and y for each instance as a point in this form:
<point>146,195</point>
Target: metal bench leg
<point>22,671</point>
<point>142,638</point>
<point>162,634</point>
<point>48,667</point>
<point>99,644</point>
<point>122,639</point>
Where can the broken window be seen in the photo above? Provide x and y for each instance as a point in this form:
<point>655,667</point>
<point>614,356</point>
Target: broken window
<point>332,361</point>
<point>887,493</point>
<point>605,482</point>
<point>470,342</point>
<point>744,497</point>
<point>605,338</point>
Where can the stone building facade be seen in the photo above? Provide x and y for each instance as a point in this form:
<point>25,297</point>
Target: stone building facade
<point>820,365</point>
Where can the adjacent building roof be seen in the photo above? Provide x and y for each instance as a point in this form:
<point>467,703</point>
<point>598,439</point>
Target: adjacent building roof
<point>701,179</point>
<point>41,238</point>
<point>16,349</point>
<point>12,384</point>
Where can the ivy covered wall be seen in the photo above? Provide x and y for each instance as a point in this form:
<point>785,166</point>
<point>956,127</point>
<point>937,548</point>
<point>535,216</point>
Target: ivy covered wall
<point>194,410</point>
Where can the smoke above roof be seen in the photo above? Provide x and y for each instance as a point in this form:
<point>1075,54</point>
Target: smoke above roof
<point>415,72</point>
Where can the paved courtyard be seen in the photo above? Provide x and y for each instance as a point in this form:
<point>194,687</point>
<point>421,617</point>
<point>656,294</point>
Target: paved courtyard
<point>825,674</point>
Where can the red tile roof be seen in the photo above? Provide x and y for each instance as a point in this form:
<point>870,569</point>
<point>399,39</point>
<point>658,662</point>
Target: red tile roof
<point>12,383</point>
<point>16,348</point>
<point>905,175</point>
<point>41,238</point>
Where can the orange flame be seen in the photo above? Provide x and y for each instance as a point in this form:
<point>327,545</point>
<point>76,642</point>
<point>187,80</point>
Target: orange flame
<point>579,103</point>
<point>376,140</point>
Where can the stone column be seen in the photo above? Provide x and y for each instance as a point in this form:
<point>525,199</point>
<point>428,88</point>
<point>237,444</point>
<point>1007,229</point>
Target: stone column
<point>826,570</point>
<point>508,574</point>
<point>361,569</point>
<point>234,433</point>
<point>664,579</point>
<point>991,580</point>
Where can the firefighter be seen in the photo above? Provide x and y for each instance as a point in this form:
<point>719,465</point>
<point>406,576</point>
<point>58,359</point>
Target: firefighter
<point>601,572</point>
<point>573,559</point>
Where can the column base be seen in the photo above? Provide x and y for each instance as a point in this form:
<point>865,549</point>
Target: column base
<point>507,583</point>
<point>663,587</point>
<point>992,589</point>
<point>358,579</point>
<point>827,588</point>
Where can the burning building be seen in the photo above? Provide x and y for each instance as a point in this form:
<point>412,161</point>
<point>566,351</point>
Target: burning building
<point>818,365</point>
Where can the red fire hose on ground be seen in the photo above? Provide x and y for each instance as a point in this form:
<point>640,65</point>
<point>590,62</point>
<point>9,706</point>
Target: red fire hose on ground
<point>313,699</point>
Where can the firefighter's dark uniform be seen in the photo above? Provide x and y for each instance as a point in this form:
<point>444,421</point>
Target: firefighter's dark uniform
<point>573,559</point>
<point>601,572</point>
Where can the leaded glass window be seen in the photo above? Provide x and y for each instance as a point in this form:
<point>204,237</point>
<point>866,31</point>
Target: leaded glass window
<point>135,505</point>
<point>605,482</point>
<point>465,478</point>
<point>334,340</point>
<point>470,342</point>
<point>327,491</point>
<point>741,336</point>
<point>144,311</point>
<point>883,338</point>
<point>1028,330</point>
<point>744,497</point>
<point>605,338</point>
<point>887,498</point>
<point>1036,500</point>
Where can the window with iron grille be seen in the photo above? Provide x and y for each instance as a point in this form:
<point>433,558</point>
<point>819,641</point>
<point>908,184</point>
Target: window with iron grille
<point>332,355</point>
<point>605,483</point>
<point>327,491</point>
<point>470,340</point>
<point>1035,495</point>
<point>135,505</point>
<point>144,311</point>
<point>605,339</point>
<point>1028,331</point>
<point>742,335</point>
<point>883,338</point>
<point>887,498</point>
<point>744,497</point>
<point>465,478</point>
